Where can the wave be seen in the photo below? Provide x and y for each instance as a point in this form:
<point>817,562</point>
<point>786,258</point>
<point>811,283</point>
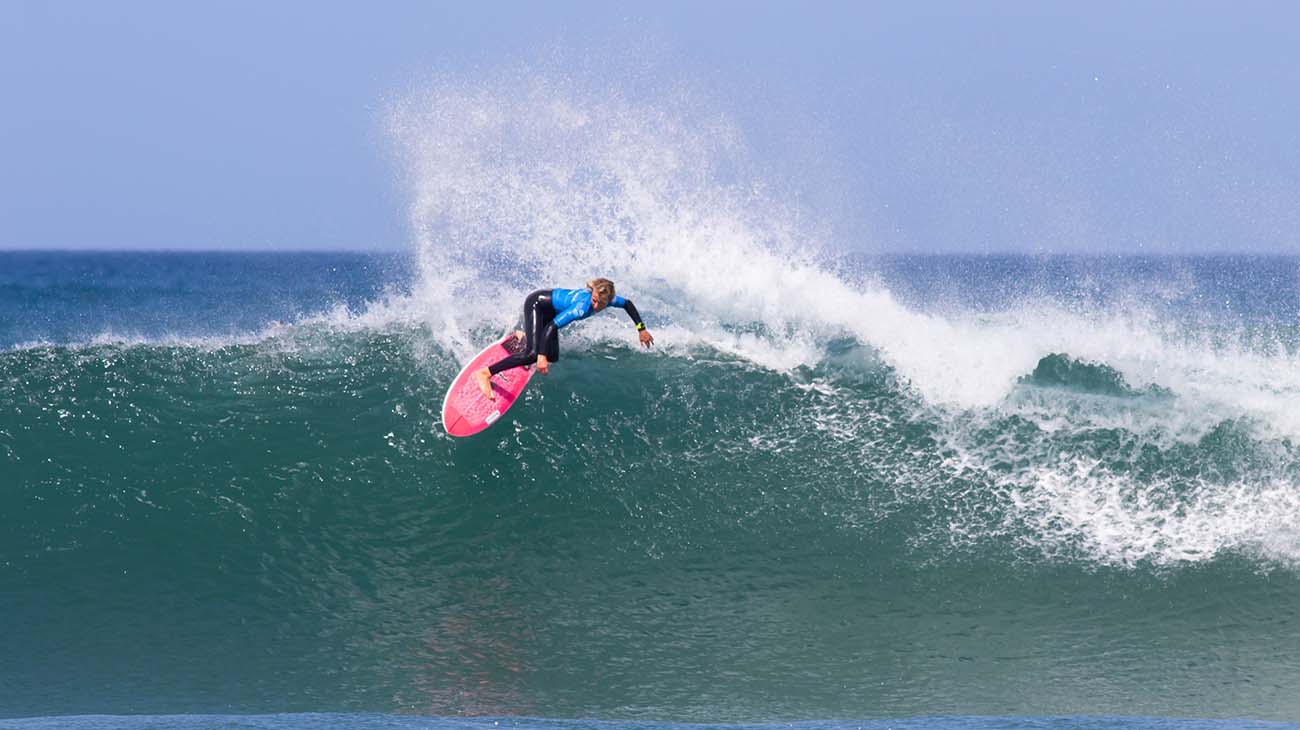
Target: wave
<point>526,179</point>
<point>1062,371</point>
<point>1093,474</point>
<point>788,384</point>
<point>820,452</point>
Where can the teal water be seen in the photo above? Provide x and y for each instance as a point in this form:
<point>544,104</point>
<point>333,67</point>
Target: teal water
<point>215,515</point>
<point>317,721</point>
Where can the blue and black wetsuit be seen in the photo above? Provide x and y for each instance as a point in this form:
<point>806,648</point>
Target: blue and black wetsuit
<point>545,312</point>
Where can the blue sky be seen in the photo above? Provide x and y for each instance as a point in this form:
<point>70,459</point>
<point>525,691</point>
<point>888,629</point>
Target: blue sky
<point>1165,128</point>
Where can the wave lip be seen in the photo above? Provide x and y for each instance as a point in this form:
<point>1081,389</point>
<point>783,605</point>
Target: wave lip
<point>1059,370</point>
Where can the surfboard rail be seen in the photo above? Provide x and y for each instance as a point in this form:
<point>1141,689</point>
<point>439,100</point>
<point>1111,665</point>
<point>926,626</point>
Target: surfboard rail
<point>465,411</point>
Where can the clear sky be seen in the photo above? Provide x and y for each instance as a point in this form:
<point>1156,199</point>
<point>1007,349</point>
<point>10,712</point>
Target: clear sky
<point>1133,127</point>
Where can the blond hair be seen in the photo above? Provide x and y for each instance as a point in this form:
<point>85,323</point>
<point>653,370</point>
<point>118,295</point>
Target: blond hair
<point>602,287</point>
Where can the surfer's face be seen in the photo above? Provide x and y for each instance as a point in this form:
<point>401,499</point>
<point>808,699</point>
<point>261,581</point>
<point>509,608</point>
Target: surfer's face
<point>598,302</point>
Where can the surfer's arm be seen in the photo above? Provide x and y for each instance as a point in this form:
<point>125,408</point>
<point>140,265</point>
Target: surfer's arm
<point>627,306</point>
<point>577,311</point>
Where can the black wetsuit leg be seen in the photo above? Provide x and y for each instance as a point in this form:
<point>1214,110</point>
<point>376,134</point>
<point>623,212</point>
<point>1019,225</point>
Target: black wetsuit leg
<point>538,313</point>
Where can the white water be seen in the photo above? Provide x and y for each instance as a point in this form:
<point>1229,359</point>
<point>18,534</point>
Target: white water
<point>526,180</point>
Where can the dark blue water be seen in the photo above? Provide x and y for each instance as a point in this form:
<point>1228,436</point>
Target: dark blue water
<point>60,297</point>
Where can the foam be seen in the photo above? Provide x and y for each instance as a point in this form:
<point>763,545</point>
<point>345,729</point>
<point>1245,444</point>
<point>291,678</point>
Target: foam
<point>1080,506</point>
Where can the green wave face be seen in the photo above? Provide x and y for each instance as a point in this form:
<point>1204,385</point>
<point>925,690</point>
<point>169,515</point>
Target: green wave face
<point>282,525</point>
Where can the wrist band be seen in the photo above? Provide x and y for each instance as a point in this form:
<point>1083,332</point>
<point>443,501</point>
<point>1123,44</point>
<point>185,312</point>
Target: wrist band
<point>640,326</point>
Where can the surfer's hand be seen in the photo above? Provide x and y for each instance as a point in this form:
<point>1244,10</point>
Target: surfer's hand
<point>646,339</point>
<point>543,365</point>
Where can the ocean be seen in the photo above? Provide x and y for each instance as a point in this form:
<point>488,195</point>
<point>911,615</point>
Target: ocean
<point>847,488</point>
<point>842,491</point>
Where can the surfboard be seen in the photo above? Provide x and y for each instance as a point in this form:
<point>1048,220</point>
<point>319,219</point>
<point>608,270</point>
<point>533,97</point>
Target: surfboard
<point>465,411</point>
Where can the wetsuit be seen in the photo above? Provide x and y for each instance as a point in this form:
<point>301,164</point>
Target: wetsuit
<point>545,312</point>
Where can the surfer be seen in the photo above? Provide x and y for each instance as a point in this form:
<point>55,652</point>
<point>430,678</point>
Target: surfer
<point>545,312</point>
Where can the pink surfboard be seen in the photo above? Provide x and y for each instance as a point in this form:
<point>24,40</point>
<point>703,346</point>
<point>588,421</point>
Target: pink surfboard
<point>465,411</point>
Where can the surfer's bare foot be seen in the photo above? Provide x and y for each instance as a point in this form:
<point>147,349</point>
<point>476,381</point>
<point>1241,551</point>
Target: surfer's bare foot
<point>484,379</point>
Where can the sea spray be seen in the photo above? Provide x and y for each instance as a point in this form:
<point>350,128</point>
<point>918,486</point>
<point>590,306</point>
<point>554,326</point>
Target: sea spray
<point>526,180</point>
